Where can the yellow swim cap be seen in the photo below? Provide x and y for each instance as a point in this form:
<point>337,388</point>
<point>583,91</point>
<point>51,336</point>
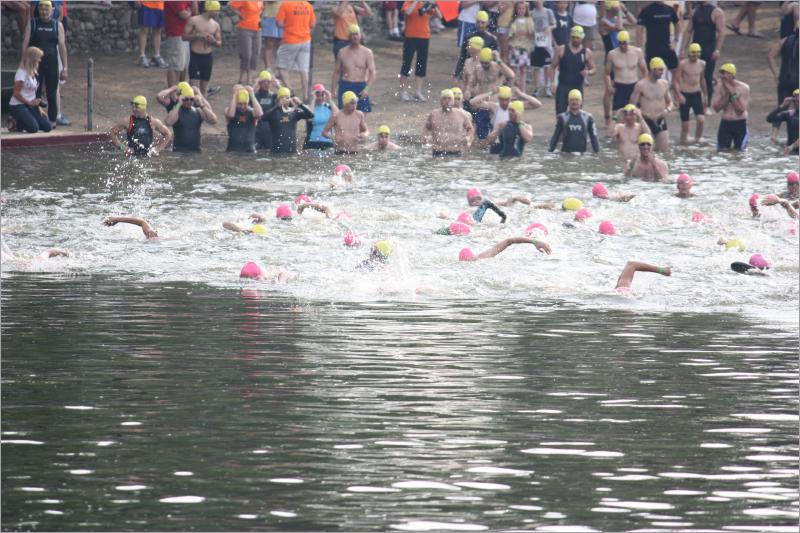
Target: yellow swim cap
<point>571,204</point>
<point>385,248</point>
<point>182,86</point>
<point>517,106</point>
<point>187,91</point>
<point>629,108</point>
<point>259,229</point>
<point>349,97</point>
<point>574,94</point>
<point>730,68</point>
<point>212,5</point>
<point>695,48</point>
<point>735,243</point>
<point>264,75</point>
<point>446,93</point>
<point>796,92</point>
<point>504,92</point>
<point>46,3</point>
<point>645,138</point>
<point>353,29</point>
<point>383,129</point>
<point>577,31</point>
<point>476,42</point>
<point>623,36</point>
<point>242,97</point>
<point>486,55</point>
<point>482,16</point>
<point>457,92</point>
<point>611,4</point>
<point>139,101</point>
<point>284,91</point>
<point>656,63</point>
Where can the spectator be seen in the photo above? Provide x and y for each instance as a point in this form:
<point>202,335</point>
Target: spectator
<point>748,10</point>
<point>564,24</point>
<point>574,63</point>
<point>267,100</point>
<point>788,112</point>
<point>294,54</point>
<point>176,50</point>
<point>151,20</point>
<point>790,12</point>
<point>391,11</point>
<point>354,70</point>
<point>145,136</point>
<point>656,19</point>
<point>204,34</point>
<point>346,15</point>
<point>47,34</point>
<point>788,78</point>
<point>25,107</point>
<point>503,26</point>
<point>23,10</point>
<point>187,118</point>
<point>347,126</point>
<point>487,40</point>
<point>466,19</point>
<point>249,33</point>
<point>324,108</point>
<point>242,118</point>
<point>418,36</point>
<point>707,28</point>
<point>732,100</point>
<point>585,16</point>
<point>283,119</point>
<point>270,34</point>
<point>544,22</point>
<point>521,33</point>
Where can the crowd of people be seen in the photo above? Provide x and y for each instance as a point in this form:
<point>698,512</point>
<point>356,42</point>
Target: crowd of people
<point>503,49</point>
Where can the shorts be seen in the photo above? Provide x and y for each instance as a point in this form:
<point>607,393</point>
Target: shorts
<point>540,57</point>
<point>445,153</point>
<point>294,57</point>
<point>732,131</point>
<point>519,57</point>
<point>501,30</point>
<point>657,126</point>
<point>411,46</point>
<point>175,52</point>
<point>668,56</point>
<point>363,104</point>
<point>622,95</point>
<point>608,42</point>
<point>200,66</point>
<point>588,31</point>
<point>483,123</point>
<point>317,145</point>
<point>151,18</point>
<point>270,29</point>
<point>694,101</point>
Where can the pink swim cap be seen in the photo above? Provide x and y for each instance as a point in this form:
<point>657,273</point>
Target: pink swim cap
<point>759,261</point>
<point>351,239</point>
<point>607,228</point>
<point>754,200</point>
<point>459,228</point>
<point>474,191</point>
<point>466,255</point>
<point>599,191</point>
<point>792,177</point>
<point>792,227</point>
<point>342,170</point>
<point>251,270</point>
<point>318,87</point>
<point>583,213</point>
<point>283,211</point>
<point>684,177</point>
<point>536,226</point>
<point>466,218</point>
<point>697,216</point>
<point>302,199</point>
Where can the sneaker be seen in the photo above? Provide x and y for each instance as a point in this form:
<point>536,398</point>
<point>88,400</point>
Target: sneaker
<point>213,90</point>
<point>405,97</point>
<point>548,92</point>
<point>143,62</point>
<point>61,120</point>
<point>11,124</point>
<point>158,61</point>
<point>420,97</point>
<point>536,92</point>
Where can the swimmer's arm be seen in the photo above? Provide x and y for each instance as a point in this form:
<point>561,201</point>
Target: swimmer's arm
<point>556,135</point>
<point>363,131</point>
<point>492,137</point>
<point>337,69</point>
<point>555,62</point>
<point>531,102</point>
<point>163,96</point>
<point>53,252</point>
<point>513,200</point>
<point>166,135</point>
<point>593,134</point>
<point>258,217</point>
<point>316,207</point>
<point>629,166</point>
<point>427,129</point>
<point>115,132</point>
<point>469,130</point>
<point>703,88</point>
<point>505,243</point>
<point>720,98</point>
<point>642,122</point>
<point>230,226</point>
<point>786,204</point>
<point>147,229</point>
<point>591,68</point>
<point>205,109</point>
<point>258,112</point>
<point>172,116</point>
<point>497,210</point>
<point>663,170</point>
<point>623,197</point>
<point>526,132</point>
<point>632,267</point>
<point>642,67</point>
<point>479,101</point>
<point>327,130</point>
<point>636,95</point>
<point>506,71</point>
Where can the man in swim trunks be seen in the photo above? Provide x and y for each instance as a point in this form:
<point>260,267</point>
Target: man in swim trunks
<point>354,70</point>
<point>204,34</point>
<point>383,144</point>
<point>652,96</point>
<point>448,129</point>
<point>627,133</point>
<point>470,43</point>
<point>573,126</point>
<point>347,126</point>
<point>624,67</point>
<point>691,92</point>
<point>732,99</point>
<point>647,166</point>
<point>631,268</point>
<point>140,129</point>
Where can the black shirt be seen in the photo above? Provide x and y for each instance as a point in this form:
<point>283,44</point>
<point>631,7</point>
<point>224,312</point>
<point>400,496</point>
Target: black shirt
<point>284,127</point>
<point>187,130</point>
<point>656,18</point>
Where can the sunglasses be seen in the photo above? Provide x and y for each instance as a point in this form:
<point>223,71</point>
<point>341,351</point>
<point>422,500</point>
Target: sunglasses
<point>320,93</point>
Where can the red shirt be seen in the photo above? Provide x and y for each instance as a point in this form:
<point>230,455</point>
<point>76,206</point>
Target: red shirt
<point>173,24</point>
<point>417,25</point>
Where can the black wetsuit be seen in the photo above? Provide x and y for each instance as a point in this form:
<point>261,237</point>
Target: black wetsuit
<point>569,76</point>
<point>705,34</point>
<point>788,78</point>
<point>187,130</point>
<point>284,127</point>
<point>792,119</point>
<point>242,132</point>
<point>488,204</point>
<point>140,135</point>
<point>574,129</point>
<point>510,142</point>
<point>266,100</point>
<point>489,41</point>
<point>44,35</point>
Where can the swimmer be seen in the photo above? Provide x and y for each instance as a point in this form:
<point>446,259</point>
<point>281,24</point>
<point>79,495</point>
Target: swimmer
<point>631,268</point>
<point>140,131</point>
<point>53,252</point>
<point>753,202</point>
<point>732,243</point>
<point>7,255</point>
<point>684,185</point>
<point>689,85</point>
<point>783,202</point>
<point>792,191</point>
<point>252,270</point>
<point>475,199</point>
<point>627,132</point>
<point>147,229</point>
<point>757,264</point>
<point>456,228</point>
<point>379,255</point>
<point>573,126</point>
<point>601,192</point>
<point>499,110</point>
<point>383,144</point>
<point>342,175</point>
<point>324,209</point>
<point>448,128</point>
<point>282,212</point>
<point>652,95</point>
<point>347,126</point>
<point>647,166</point>
<point>468,255</point>
<point>731,99</point>
<point>256,229</point>
<point>512,135</point>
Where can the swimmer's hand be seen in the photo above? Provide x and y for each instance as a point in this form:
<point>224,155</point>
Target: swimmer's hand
<point>541,246</point>
<point>665,271</point>
<point>624,197</point>
<point>258,217</point>
<point>111,221</point>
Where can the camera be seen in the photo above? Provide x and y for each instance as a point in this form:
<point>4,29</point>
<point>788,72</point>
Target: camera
<point>426,6</point>
<point>43,105</point>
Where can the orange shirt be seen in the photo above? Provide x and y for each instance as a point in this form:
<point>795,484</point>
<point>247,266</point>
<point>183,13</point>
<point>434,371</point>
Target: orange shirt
<point>417,25</point>
<point>297,19</point>
<point>249,14</point>
<point>343,23</point>
<point>154,5</point>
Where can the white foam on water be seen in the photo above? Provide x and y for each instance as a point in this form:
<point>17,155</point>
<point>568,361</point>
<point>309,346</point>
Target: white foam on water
<point>183,499</point>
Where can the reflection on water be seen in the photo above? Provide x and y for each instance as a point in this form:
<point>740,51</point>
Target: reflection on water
<point>175,406</point>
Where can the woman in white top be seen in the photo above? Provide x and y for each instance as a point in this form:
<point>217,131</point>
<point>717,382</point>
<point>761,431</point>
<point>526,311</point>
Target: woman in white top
<point>466,19</point>
<point>27,113</point>
<point>585,15</point>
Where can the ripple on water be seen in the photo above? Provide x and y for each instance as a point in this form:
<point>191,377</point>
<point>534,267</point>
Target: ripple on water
<point>183,499</point>
<point>424,485</point>
<point>425,525</point>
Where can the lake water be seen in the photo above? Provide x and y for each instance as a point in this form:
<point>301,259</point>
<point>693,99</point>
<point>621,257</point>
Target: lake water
<point>146,387</point>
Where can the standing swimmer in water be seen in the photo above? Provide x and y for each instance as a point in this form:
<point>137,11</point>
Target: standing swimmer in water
<point>573,126</point>
<point>647,166</point>
<point>631,268</point>
<point>147,229</point>
<point>140,139</point>
<point>378,256</point>
<point>468,255</point>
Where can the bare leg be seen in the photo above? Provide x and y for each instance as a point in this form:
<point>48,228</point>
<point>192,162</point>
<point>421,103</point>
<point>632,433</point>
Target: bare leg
<point>157,42</point>
<point>698,128</point>
<point>304,85</point>
<point>502,40</point>
<point>632,267</point>
<point>685,132</point>
<point>143,40</point>
<point>173,77</point>
<point>662,141</point>
<point>751,17</point>
<point>607,112</point>
<point>418,82</point>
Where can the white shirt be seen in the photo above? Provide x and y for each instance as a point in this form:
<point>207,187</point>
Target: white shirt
<point>29,86</point>
<point>585,15</point>
<point>500,115</point>
<point>469,14</point>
